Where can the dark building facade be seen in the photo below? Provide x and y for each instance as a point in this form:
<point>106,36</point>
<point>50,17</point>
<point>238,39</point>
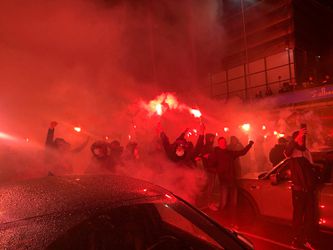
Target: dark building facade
<point>270,44</point>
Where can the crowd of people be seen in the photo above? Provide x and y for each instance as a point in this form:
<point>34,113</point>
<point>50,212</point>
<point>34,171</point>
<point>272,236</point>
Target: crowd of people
<point>215,162</point>
<point>287,86</point>
<point>219,163</point>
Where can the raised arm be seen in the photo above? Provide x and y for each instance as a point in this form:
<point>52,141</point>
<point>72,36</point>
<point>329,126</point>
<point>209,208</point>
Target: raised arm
<point>50,135</point>
<point>244,151</point>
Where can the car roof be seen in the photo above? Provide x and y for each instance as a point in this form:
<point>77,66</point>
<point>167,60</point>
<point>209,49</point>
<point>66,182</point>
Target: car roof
<point>53,194</point>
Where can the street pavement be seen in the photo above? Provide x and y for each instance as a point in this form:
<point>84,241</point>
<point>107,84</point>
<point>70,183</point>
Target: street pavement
<point>268,235</point>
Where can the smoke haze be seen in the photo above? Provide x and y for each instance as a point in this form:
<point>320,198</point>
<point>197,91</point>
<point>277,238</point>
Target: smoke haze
<point>90,63</point>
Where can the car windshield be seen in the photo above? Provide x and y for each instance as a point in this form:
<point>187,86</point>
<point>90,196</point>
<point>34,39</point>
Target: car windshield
<point>160,224</point>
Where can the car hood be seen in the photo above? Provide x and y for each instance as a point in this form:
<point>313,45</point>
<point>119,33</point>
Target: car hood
<point>49,195</point>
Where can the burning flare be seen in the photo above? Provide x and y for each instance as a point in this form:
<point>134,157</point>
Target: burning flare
<point>77,129</point>
<point>196,113</point>
<point>246,127</point>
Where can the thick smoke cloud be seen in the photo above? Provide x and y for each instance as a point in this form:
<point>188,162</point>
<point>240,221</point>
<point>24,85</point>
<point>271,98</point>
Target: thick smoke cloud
<point>90,63</point>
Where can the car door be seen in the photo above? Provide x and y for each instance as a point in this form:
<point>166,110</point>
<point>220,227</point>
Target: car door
<point>274,198</point>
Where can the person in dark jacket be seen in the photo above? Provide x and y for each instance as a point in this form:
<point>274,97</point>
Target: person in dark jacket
<point>236,145</point>
<point>106,157</point>
<point>60,144</point>
<point>182,151</point>
<point>304,183</point>
<point>222,162</point>
<point>206,150</point>
<point>59,152</point>
<point>276,155</point>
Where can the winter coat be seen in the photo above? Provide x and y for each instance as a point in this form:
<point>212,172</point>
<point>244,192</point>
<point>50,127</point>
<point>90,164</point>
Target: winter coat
<point>188,159</point>
<point>222,162</point>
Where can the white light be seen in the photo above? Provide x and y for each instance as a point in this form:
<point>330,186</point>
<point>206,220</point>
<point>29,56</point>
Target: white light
<point>77,129</point>
<point>246,127</point>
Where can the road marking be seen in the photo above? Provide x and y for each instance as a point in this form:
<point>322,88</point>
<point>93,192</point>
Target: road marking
<point>266,239</point>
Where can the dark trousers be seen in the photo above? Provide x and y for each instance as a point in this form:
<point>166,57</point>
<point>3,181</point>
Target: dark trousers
<point>304,214</point>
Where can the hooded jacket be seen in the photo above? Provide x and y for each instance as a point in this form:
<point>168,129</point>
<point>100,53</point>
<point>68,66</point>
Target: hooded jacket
<point>190,152</point>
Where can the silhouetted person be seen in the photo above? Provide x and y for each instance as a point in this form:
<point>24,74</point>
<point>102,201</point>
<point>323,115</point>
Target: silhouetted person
<point>236,145</point>
<point>222,161</point>
<point>269,91</point>
<point>276,155</point>
<point>206,150</point>
<point>132,152</point>
<point>182,151</point>
<point>59,152</point>
<point>304,186</point>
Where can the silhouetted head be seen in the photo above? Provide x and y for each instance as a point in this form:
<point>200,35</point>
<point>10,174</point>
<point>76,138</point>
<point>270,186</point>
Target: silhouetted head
<point>222,143</point>
<point>209,137</point>
<point>100,149</point>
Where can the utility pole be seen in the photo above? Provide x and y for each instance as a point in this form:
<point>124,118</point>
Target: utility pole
<point>246,66</point>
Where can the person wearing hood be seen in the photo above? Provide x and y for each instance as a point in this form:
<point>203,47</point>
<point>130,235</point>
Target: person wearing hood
<point>276,155</point>
<point>106,156</point>
<point>182,152</point>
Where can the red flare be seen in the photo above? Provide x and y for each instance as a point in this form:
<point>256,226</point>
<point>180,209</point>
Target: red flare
<point>246,127</point>
<point>171,101</point>
<point>196,113</point>
<point>159,110</point>
<point>77,129</point>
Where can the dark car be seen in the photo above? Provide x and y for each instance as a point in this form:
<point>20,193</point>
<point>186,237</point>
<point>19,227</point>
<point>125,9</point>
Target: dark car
<point>104,212</point>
